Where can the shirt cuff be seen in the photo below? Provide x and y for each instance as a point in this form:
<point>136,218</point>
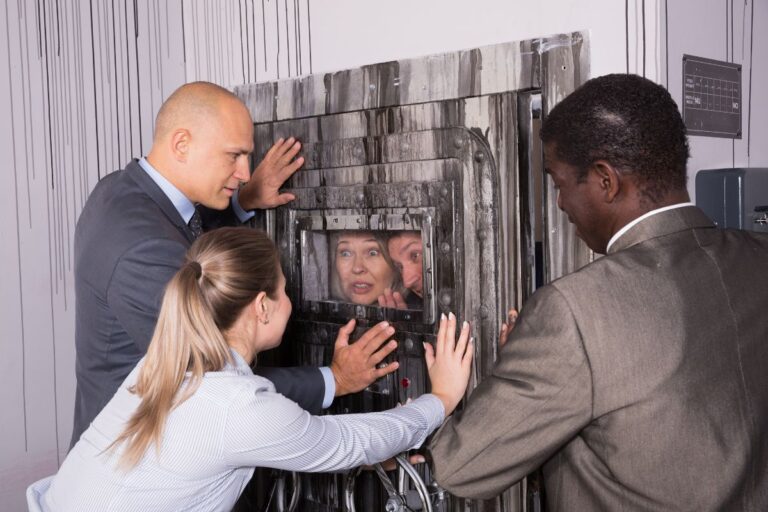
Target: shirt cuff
<point>330,386</point>
<point>243,215</point>
<point>434,412</point>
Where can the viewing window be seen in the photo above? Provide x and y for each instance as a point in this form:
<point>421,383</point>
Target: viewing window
<point>364,267</point>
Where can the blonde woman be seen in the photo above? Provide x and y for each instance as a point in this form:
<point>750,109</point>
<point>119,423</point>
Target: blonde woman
<point>189,424</point>
<point>362,269</point>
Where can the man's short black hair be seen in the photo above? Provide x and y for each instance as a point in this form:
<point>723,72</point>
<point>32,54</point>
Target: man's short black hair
<point>630,122</point>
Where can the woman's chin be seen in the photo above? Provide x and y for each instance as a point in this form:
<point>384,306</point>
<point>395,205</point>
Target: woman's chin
<point>360,297</point>
<point>364,300</point>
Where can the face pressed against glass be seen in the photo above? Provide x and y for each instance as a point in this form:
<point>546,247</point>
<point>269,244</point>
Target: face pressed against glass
<point>406,251</point>
<point>362,269</point>
<point>359,267</point>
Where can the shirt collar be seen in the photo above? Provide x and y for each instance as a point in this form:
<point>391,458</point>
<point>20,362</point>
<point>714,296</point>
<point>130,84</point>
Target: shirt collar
<point>651,213</point>
<point>184,206</point>
<point>239,364</point>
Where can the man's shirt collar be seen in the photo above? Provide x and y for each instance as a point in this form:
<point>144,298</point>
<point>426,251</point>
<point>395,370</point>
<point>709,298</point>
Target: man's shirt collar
<point>640,219</point>
<point>184,206</point>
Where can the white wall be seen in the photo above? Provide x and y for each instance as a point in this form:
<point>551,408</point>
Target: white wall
<point>350,33</point>
<point>82,83</point>
<point>74,109</point>
<point>410,29</point>
<point>706,28</point>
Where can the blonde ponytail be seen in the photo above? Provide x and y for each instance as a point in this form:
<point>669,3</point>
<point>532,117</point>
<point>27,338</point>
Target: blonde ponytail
<point>224,271</point>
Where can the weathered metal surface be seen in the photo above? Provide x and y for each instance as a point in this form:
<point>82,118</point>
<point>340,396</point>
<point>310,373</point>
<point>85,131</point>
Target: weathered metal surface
<point>563,251</point>
<point>433,145</point>
<point>480,71</point>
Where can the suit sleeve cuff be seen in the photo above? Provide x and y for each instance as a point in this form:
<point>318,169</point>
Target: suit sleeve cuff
<point>330,386</point>
<point>243,215</point>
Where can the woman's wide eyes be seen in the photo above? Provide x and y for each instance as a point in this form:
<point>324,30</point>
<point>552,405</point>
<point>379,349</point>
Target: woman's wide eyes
<point>347,253</point>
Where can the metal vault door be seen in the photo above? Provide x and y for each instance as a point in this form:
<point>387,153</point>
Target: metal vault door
<point>438,184</point>
<point>430,147</point>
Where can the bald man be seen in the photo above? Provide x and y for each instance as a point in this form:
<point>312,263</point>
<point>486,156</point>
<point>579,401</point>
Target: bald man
<point>139,221</point>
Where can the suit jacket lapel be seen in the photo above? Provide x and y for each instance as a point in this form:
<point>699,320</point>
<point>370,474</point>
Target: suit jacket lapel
<point>664,223</point>
<point>148,185</point>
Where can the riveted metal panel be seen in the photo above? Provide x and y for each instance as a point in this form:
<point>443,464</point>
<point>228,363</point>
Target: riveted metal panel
<point>431,143</point>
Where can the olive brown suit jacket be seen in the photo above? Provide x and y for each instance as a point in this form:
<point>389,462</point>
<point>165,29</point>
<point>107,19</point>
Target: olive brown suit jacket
<point>639,382</point>
<point>129,241</point>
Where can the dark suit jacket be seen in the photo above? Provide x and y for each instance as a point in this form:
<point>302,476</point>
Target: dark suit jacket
<point>639,382</point>
<point>129,242</point>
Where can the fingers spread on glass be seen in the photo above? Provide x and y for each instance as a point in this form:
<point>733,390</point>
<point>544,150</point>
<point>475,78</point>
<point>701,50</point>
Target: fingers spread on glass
<point>357,365</point>
<point>449,363</point>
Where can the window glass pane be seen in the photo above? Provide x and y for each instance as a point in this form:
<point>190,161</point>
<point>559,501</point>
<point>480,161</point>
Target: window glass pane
<point>368,268</point>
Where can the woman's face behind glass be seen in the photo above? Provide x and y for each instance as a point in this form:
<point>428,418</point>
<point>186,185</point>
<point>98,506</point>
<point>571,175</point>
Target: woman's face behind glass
<point>361,267</point>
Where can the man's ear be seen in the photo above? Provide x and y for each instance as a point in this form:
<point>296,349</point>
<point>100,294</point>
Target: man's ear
<point>180,141</point>
<point>609,179</point>
<point>262,308</point>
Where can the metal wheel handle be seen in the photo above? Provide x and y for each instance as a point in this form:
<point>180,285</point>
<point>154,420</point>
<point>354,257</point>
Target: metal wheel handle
<point>280,492</point>
<point>400,498</point>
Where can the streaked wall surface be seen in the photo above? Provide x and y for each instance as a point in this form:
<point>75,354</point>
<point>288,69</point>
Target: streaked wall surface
<point>82,79</point>
<point>81,83</point>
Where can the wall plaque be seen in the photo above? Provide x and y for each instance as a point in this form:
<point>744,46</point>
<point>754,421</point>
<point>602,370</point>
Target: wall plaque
<point>712,97</point>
